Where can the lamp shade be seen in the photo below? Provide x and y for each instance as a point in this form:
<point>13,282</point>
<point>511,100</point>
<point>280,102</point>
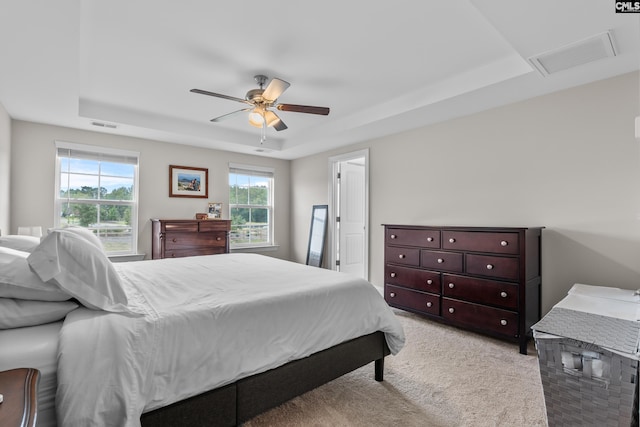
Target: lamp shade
<point>271,118</point>
<point>256,117</point>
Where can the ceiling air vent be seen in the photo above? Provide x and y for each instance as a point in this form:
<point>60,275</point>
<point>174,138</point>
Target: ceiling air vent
<point>574,54</point>
<point>104,125</point>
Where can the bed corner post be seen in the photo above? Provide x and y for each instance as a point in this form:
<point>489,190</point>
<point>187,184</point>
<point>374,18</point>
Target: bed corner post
<point>379,369</point>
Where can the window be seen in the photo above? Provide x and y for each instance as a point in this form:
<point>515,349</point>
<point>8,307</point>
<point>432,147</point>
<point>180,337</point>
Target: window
<point>250,206</point>
<point>97,188</point>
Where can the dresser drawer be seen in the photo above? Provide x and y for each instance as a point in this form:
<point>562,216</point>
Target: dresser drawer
<point>480,241</point>
<point>415,300</point>
<point>483,291</point>
<point>213,225</point>
<point>422,238</point>
<point>175,241</point>
<point>402,255</point>
<point>424,280</point>
<point>493,266</point>
<point>179,253</point>
<point>440,260</point>
<point>481,317</point>
<point>191,227</point>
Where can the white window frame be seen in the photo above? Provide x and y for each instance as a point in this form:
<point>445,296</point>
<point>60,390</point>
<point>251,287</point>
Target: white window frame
<point>261,171</point>
<point>108,153</point>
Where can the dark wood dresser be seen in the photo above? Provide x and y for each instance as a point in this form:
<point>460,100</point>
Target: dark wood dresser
<point>174,238</point>
<point>19,388</point>
<point>479,278</point>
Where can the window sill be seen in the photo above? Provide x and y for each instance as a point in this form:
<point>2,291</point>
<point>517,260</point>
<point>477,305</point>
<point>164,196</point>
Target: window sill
<point>255,248</point>
<point>126,258</point>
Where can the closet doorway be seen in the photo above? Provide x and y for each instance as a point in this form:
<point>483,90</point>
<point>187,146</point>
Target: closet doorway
<point>349,213</point>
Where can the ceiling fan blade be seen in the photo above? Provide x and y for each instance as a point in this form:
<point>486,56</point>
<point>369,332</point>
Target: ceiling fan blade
<point>274,121</point>
<point>275,89</point>
<point>219,95</point>
<point>226,116</point>
<point>324,111</point>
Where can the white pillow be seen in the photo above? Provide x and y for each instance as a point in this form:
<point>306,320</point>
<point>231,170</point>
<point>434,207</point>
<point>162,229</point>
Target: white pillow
<point>19,242</point>
<point>81,269</point>
<point>17,280</point>
<point>15,313</point>
<point>85,233</point>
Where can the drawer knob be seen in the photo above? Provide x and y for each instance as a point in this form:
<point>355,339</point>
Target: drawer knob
<point>392,274</point>
<point>503,294</point>
<point>489,266</point>
<point>174,240</point>
<point>393,236</point>
<point>452,240</point>
<point>451,286</point>
<point>218,238</point>
<point>429,281</point>
<point>429,239</point>
<point>503,322</point>
<point>440,260</point>
<point>392,294</point>
<point>429,304</point>
<point>451,310</point>
<point>504,243</point>
<point>401,256</point>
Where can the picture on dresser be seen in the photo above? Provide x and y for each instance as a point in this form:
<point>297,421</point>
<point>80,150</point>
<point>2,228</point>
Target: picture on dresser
<point>186,181</point>
<point>215,210</point>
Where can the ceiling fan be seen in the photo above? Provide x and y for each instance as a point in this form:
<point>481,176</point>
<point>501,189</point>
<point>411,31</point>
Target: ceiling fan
<point>260,101</point>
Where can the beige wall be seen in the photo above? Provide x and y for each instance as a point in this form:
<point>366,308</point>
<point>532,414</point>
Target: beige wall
<point>567,161</point>
<point>32,177</point>
<point>5,169</point>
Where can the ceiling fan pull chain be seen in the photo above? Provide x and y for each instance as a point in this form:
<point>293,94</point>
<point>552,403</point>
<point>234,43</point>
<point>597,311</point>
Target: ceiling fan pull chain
<point>263,137</point>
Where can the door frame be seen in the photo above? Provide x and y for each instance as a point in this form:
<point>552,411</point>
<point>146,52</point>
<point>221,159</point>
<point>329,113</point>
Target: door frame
<point>332,237</point>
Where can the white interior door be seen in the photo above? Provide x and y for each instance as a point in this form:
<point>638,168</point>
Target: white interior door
<point>349,231</point>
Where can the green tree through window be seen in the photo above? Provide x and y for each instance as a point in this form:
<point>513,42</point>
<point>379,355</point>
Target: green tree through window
<point>250,206</point>
<point>96,189</point>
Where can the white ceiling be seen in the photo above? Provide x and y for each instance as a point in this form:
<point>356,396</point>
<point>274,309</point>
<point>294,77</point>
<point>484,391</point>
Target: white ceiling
<point>381,66</point>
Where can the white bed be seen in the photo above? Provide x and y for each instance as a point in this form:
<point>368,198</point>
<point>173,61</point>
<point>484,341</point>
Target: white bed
<point>151,333</point>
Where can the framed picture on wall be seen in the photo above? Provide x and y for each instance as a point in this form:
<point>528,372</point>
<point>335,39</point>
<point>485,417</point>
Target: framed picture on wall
<point>186,181</point>
<point>215,210</point>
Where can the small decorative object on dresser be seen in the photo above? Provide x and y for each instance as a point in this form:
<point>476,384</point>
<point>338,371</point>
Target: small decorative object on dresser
<point>485,279</point>
<point>215,210</point>
<point>172,238</point>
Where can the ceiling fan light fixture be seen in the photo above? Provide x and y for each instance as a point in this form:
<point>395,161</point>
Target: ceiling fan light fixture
<point>271,118</point>
<point>256,117</point>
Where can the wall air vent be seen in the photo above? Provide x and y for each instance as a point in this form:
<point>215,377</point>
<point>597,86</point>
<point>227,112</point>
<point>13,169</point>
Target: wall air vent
<point>572,55</point>
<point>104,125</point>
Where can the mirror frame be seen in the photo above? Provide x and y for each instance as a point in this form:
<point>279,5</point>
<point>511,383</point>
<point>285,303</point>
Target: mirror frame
<point>317,235</point>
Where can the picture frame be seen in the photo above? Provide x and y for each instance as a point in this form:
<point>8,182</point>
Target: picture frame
<point>187,181</point>
<point>214,210</point>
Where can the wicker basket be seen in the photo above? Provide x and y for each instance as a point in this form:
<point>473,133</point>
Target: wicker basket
<point>578,396</point>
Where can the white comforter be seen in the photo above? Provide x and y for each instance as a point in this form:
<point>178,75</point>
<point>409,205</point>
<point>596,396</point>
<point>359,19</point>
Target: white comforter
<point>208,321</point>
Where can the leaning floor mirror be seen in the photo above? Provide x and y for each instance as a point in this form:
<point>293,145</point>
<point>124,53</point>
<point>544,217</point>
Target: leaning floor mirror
<point>317,235</point>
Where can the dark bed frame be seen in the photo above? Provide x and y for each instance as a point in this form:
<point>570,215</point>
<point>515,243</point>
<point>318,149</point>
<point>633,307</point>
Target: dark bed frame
<point>242,400</point>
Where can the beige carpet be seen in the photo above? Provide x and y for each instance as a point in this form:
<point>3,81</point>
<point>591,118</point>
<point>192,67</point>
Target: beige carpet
<point>443,377</point>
